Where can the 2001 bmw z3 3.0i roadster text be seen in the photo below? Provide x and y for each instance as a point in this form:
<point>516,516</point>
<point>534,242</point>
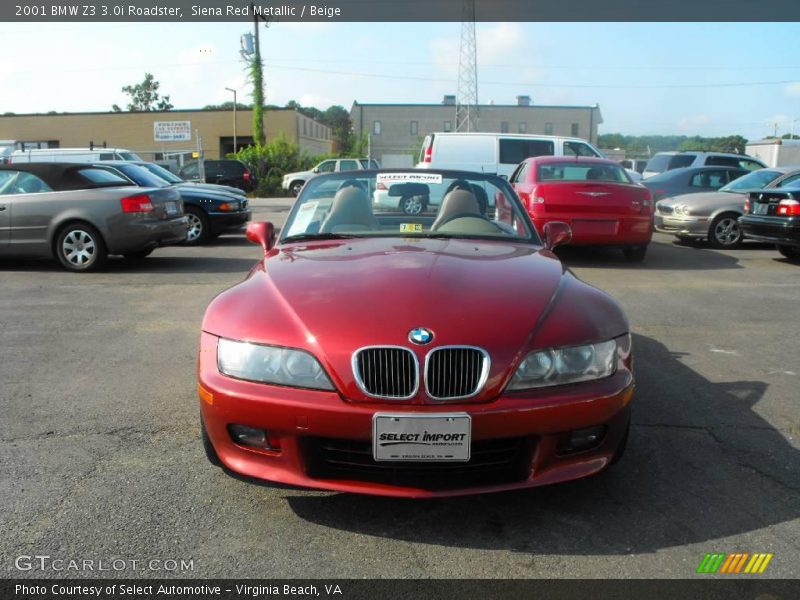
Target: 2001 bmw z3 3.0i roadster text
<point>438,354</point>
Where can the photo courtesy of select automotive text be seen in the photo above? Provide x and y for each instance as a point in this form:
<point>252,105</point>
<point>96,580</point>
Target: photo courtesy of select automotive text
<point>399,299</point>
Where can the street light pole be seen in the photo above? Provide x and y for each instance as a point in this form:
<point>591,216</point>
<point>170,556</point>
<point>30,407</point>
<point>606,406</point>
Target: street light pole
<point>234,118</point>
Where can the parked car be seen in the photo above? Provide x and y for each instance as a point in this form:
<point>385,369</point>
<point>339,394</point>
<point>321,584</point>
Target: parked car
<point>172,178</point>
<point>294,181</point>
<point>71,155</point>
<point>221,172</point>
<point>498,153</point>
<point>634,164</point>
<point>773,216</point>
<point>714,215</point>
<point>81,213</point>
<point>666,161</point>
<point>209,214</point>
<point>498,369</point>
<point>691,180</point>
<point>595,196</point>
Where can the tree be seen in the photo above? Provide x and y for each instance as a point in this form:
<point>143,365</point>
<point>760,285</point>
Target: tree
<point>145,97</point>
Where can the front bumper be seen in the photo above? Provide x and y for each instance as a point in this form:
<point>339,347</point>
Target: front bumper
<point>684,226</point>
<point>225,221</point>
<point>304,421</point>
<point>775,230</point>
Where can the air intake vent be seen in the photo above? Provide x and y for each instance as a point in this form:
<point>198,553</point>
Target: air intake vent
<point>386,372</point>
<point>455,372</point>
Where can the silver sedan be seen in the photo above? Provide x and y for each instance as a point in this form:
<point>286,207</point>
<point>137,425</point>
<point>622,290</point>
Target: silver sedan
<point>714,216</point>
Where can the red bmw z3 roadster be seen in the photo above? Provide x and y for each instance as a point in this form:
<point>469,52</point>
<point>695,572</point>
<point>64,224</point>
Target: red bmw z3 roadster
<point>438,354</point>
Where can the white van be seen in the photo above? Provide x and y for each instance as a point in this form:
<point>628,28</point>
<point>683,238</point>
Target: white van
<point>77,155</point>
<point>496,153</point>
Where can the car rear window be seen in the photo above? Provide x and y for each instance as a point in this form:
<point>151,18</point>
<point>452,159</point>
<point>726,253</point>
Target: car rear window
<point>102,177</point>
<point>141,175</point>
<point>659,163</point>
<point>231,167</point>
<point>514,151</point>
<point>569,171</point>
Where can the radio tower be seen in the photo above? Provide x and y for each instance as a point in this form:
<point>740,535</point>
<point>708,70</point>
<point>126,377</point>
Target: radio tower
<point>467,98</point>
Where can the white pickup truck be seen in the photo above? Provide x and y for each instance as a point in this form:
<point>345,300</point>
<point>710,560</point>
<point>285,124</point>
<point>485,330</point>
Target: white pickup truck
<point>295,181</point>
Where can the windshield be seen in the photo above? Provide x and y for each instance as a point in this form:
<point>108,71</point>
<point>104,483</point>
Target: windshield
<point>752,181</point>
<point>408,204</point>
<point>140,176</point>
<point>129,156</point>
<point>161,172</point>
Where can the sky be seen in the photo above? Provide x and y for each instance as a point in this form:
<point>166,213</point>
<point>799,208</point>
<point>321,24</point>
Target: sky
<point>708,79</point>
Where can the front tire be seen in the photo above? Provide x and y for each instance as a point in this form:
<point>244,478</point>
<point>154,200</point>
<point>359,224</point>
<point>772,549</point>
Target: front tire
<point>198,232</point>
<point>79,247</point>
<point>634,253</point>
<point>295,187</point>
<point>725,232</point>
<point>790,252</point>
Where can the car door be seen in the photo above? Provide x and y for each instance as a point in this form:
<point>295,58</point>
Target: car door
<point>348,165</point>
<point>27,219</point>
<point>5,208</point>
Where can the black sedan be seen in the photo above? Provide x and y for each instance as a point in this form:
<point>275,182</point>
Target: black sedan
<point>209,213</point>
<point>691,180</point>
<point>774,216</point>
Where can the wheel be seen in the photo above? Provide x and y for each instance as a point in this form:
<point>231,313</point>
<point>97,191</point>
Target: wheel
<point>296,187</point>
<point>412,205</point>
<point>635,253</point>
<point>623,444</point>
<point>198,232</point>
<point>790,252</point>
<point>140,255</point>
<point>725,232</point>
<point>80,247</point>
<point>211,454</point>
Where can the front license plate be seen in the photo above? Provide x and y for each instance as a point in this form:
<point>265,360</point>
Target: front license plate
<point>171,207</point>
<point>421,438</point>
<point>760,208</point>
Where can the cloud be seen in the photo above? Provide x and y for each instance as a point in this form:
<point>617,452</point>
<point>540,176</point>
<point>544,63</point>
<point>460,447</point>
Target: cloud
<point>792,90</point>
<point>693,122</point>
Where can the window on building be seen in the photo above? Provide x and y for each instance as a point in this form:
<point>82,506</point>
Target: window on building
<point>575,130</point>
<point>548,129</point>
<point>305,127</point>
<point>522,127</point>
<point>448,126</point>
<point>504,127</point>
<point>376,128</point>
<point>413,128</point>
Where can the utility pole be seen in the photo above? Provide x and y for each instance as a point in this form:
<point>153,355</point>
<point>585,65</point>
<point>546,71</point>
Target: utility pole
<point>467,97</point>
<point>234,117</point>
<point>257,73</point>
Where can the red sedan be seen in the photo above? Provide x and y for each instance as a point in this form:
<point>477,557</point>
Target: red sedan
<point>595,196</point>
<point>425,355</point>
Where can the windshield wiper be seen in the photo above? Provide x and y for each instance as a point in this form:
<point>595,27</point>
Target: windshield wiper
<point>302,237</point>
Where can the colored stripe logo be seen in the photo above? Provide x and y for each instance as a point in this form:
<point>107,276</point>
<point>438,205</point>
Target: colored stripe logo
<point>740,562</point>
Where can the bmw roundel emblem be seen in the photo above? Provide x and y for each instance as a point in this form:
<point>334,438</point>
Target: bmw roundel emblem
<point>420,336</point>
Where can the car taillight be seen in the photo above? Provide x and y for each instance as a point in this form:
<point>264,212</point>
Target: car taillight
<point>246,176</point>
<point>381,186</point>
<point>747,206</point>
<point>647,201</point>
<point>140,203</point>
<point>428,155</point>
<point>788,208</point>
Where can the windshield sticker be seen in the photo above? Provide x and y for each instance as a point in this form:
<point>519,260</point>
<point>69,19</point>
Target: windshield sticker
<point>303,218</point>
<point>403,177</point>
<point>410,227</point>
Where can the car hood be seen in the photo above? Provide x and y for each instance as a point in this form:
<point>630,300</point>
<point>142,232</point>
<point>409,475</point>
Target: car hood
<point>710,200</point>
<point>331,298</point>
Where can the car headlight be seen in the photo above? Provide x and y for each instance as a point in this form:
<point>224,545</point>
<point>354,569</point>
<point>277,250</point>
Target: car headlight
<point>681,209</point>
<point>271,364</point>
<point>559,366</point>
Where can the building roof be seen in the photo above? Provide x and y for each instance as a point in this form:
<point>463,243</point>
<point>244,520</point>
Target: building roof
<point>452,106</point>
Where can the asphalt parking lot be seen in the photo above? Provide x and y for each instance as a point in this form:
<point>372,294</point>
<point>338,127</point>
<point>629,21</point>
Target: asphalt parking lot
<point>100,456</point>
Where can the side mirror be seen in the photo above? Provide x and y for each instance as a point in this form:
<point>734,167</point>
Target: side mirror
<point>556,233</point>
<point>261,233</point>
<point>315,170</point>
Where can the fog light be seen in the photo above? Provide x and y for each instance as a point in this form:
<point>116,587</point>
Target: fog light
<point>255,438</point>
<point>581,439</point>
